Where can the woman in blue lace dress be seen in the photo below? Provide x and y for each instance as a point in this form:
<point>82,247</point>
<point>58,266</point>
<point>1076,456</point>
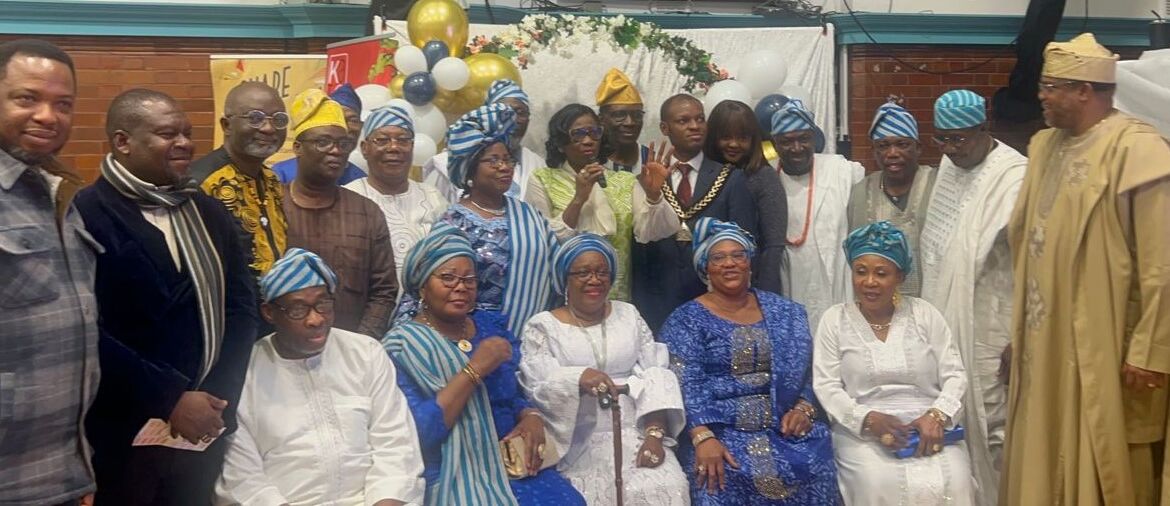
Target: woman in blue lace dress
<point>457,368</point>
<point>513,242</point>
<point>743,358</point>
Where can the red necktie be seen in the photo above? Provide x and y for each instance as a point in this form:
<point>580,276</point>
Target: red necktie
<point>684,186</point>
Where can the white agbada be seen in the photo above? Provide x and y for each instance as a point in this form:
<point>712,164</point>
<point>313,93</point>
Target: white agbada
<point>409,215</point>
<point>330,429</point>
<point>818,274</point>
<point>967,275</point>
<point>915,369</point>
<point>554,354</point>
<point>434,173</point>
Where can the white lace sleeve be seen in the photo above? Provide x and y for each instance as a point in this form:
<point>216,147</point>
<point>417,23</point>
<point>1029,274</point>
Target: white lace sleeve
<point>828,382</point>
<point>551,387</point>
<point>653,386</point>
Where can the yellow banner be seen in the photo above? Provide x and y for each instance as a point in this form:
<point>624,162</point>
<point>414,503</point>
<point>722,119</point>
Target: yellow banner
<point>288,74</point>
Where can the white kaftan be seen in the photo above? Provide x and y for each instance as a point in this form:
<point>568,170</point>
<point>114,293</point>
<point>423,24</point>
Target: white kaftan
<point>967,275</point>
<point>915,369</point>
<point>330,429</point>
<point>818,273</point>
<point>554,354</point>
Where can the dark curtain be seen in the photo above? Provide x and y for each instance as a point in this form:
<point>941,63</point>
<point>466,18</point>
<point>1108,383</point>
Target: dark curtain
<point>1017,102</point>
<point>388,9</point>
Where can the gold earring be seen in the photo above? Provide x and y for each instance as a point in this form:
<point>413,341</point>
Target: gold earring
<point>897,299</point>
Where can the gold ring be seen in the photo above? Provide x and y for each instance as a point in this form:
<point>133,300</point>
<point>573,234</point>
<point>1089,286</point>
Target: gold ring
<point>540,448</point>
<point>1151,385</point>
<point>701,468</point>
<point>805,433</point>
<point>653,458</point>
<point>602,388</point>
<point>936,448</point>
<point>596,391</point>
<point>887,439</point>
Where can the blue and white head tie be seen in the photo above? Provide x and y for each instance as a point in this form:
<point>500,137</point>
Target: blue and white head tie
<point>958,109</point>
<point>296,270</point>
<point>893,120</point>
<point>574,247</point>
<point>443,243</point>
<point>882,239</point>
<point>347,97</point>
<point>709,232</point>
<point>505,88</point>
<point>794,117</point>
<point>469,135</point>
<point>387,116</point>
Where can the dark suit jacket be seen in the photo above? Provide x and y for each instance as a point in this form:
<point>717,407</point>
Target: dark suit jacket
<point>663,273</point>
<point>151,340</point>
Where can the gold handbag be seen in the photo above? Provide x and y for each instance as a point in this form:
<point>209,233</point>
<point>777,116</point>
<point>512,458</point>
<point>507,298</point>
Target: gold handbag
<point>515,454</point>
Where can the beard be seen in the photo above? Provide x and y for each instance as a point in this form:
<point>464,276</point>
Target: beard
<point>26,157</point>
<point>260,152</point>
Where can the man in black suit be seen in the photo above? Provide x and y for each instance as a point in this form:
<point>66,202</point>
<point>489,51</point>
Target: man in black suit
<point>663,274</point>
<point>177,314</point>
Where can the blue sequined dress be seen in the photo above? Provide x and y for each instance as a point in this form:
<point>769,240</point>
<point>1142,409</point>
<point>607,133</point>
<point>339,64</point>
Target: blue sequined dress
<point>739,381</point>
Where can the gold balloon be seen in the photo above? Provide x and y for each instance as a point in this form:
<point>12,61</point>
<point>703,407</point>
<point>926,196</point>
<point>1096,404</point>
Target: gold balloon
<point>770,151</point>
<point>444,99</point>
<point>483,69</point>
<point>396,83</point>
<point>441,20</point>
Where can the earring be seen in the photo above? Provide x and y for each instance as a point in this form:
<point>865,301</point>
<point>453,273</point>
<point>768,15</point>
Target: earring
<point>470,183</point>
<point>897,299</point>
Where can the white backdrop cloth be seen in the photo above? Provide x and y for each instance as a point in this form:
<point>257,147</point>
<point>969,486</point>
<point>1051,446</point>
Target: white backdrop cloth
<point>1143,88</point>
<point>553,80</point>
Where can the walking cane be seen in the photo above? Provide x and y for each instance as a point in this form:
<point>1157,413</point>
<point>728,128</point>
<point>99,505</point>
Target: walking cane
<point>610,400</point>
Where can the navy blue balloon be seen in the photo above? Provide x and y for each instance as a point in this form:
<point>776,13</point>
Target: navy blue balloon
<point>766,108</point>
<point>435,50</point>
<point>419,88</point>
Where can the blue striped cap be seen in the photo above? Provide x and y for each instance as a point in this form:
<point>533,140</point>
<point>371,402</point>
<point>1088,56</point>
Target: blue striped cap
<point>708,233</point>
<point>892,120</point>
<point>880,238</point>
<point>296,270</point>
<point>572,248</point>
<point>475,131</point>
<point>385,116</point>
<point>958,109</point>
<point>505,88</point>
<point>792,117</point>
<point>443,243</point>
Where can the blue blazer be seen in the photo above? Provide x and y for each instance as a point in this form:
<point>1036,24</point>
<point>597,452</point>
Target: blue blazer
<point>151,341</point>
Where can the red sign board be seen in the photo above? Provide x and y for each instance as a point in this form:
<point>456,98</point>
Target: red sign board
<point>368,60</point>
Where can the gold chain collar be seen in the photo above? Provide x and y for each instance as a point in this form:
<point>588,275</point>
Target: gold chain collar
<point>672,199</point>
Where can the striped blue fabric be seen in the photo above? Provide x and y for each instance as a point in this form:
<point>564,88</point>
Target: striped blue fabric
<point>892,120</point>
<point>958,109</point>
<point>709,232</point>
<point>385,116</point>
<point>792,117</point>
<point>296,270</point>
<point>572,248</point>
<point>505,88</point>
<point>474,132</point>
<point>472,470</point>
<point>530,269</point>
<point>883,239</point>
<point>443,243</point>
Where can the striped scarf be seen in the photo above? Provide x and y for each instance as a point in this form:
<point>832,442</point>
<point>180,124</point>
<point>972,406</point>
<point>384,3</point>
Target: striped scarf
<point>529,283</point>
<point>472,471</point>
<point>196,250</point>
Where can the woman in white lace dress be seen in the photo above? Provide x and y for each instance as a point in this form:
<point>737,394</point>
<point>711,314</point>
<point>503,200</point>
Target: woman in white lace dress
<point>589,346</point>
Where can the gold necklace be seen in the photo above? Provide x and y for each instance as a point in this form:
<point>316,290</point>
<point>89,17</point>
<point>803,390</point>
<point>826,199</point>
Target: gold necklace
<point>493,212</point>
<point>463,343</point>
<point>684,234</point>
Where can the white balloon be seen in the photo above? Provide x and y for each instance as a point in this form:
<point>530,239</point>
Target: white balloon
<point>727,89</point>
<point>762,71</point>
<point>429,121</point>
<point>410,59</point>
<point>373,96</point>
<point>451,73</point>
<point>794,91</point>
<point>401,103</point>
<point>424,149</point>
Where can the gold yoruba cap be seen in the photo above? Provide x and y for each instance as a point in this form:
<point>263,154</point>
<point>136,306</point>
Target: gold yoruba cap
<point>1080,59</point>
<point>617,89</point>
<point>313,108</point>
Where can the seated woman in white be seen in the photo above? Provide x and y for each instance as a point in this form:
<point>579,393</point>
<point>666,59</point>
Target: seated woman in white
<point>883,368</point>
<point>581,351</point>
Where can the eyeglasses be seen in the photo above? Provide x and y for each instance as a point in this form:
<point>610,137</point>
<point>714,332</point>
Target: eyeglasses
<point>451,280</point>
<point>256,118</point>
<point>300,311</point>
<point>499,163</point>
<point>579,134</point>
<point>522,112</point>
<point>902,145</point>
<point>954,140</point>
<point>326,144</point>
<point>1051,87</point>
<point>736,257</point>
<point>623,116</point>
<point>402,140</point>
<point>584,275</point>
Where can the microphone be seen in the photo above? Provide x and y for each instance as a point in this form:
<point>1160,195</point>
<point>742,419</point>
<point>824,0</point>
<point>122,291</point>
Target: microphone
<point>601,181</point>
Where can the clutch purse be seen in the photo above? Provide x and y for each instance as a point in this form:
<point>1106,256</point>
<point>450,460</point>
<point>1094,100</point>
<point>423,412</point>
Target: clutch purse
<point>950,437</point>
<point>515,454</point>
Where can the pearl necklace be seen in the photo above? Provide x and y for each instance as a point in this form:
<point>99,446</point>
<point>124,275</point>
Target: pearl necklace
<point>493,212</point>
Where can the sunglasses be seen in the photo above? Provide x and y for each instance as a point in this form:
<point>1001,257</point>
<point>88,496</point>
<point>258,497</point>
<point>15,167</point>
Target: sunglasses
<point>579,134</point>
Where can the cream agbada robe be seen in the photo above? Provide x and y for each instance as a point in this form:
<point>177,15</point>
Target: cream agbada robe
<point>1090,237</point>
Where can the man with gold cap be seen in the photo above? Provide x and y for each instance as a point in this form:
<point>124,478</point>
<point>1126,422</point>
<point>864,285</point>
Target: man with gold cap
<point>1090,339</point>
<point>621,111</point>
<point>351,105</point>
<point>967,269</point>
<point>346,229</point>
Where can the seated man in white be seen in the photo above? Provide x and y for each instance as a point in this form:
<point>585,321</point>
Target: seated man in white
<point>321,418</point>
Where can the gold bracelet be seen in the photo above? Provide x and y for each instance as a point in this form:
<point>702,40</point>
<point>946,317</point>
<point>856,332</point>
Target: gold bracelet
<point>938,416</point>
<point>807,409</point>
<point>702,436</point>
<point>473,374</point>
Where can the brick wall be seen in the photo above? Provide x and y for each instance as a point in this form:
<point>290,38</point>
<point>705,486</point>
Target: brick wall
<point>107,66</point>
<point>874,75</point>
